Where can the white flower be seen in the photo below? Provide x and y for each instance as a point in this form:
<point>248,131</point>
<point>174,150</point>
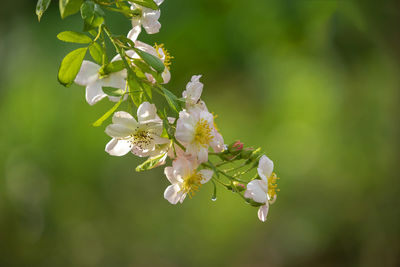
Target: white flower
<point>264,190</point>
<point>192,94</point>
<point>147,17</point>
<point>185,179</point>
<point>140,137</point>
<point>158,51</point>
<point>195,129</point>
<point>90,77</point>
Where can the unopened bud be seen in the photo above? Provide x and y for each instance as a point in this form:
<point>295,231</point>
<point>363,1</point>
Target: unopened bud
<point>235,147</point>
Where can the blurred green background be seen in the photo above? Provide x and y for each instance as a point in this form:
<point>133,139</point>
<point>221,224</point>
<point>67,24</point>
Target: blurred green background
<point>315,83</point>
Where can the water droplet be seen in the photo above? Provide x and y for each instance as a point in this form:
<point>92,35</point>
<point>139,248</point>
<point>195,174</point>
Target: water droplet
<point>214,198</point>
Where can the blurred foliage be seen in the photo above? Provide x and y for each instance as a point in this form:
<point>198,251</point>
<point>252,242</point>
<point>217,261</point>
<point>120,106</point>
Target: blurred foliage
<point>316,83</point>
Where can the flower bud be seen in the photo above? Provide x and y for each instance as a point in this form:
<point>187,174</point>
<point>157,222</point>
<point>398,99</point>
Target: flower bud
<point>235,147</point>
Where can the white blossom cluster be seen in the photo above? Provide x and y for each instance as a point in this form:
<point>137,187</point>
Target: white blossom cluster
<point>187,139</point>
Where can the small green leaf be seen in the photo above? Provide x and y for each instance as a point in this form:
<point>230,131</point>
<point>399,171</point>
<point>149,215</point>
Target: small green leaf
<point>92,15</point>
<point>147,89</point>
<point>114,66</point>
<point>70,66</point>
<point>172,100</point>
<point>41,7</point>
<point>135,89</point>
<point>69,7</point>
<point>74,37</point>
<point>113,91</point>
<point>100,121</point>
<point>152,162</point>
<point>151,60</point>
<point>146,3</point>
<point>96,52</point>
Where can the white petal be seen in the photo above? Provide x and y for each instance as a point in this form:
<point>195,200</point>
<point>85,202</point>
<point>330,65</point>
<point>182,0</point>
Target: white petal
<point>166,75</point>
<point>146,48</point>
<point>217,143</point>
<point>118,147</point>
<point>125,119</point>
<point>263,212</point>
<point>206,174</point>
<point>134,33</point>
<point>94,93</point>
<point>118,131</point>
<point>182,167</point>
<point>265,167</point>
<point>193,90</point>
<point>203,154</point>
<point>172,194</point>
<point>169,172</point>
<point>146,111</point>
<point>115,80</point>
<point>158,2</point>
<point>255,191</point>
<point>88,73</point>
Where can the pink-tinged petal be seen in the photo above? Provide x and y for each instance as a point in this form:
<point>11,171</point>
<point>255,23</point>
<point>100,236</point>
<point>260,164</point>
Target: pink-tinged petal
<point>172,194</point>
<point>125,119</point>
<point>118,131</point>
<point>255,191</point>
<point>182,167</point>
<point>146,112</point>
<point>217,143</point>
<point>134,33</point>
<point>263,212</point>
<point>118,147</point>
<point>140,152</point>
<point>94,93</point>
<point>206,175</point>
<point>265,167</point>
<point>169,172</point>
<point>88,73</point>
<point>202,156</point>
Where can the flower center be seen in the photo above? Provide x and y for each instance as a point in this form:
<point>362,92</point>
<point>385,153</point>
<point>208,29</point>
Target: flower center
<point>141,139</point>
<point>202,134</point>
<point>272,186</point>
<point>163,54</point>
<point>191,184</point>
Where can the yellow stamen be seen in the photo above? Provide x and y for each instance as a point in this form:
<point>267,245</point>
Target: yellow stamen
<point>272,186</point>
<point>167,55</point>
<point>202,135</point>
<point>191,184</point>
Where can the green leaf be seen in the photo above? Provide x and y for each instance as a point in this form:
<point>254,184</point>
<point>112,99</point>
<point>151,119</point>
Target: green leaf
<point>152,162</point>
<point>172,100</point>
<point>147,89</point>
<point>74,37</point>
<point>151,60</point>
<point>41,7</point>
<point>113,91</point>
<point>70,66</point>
<point>114,66</point>
<point>146,3</point>
<point>69,7</point>
<point>135,89</point>
<point>96,52</point>
<point>100,121</point>
<point>92,15</point>
<point>87,10</point>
